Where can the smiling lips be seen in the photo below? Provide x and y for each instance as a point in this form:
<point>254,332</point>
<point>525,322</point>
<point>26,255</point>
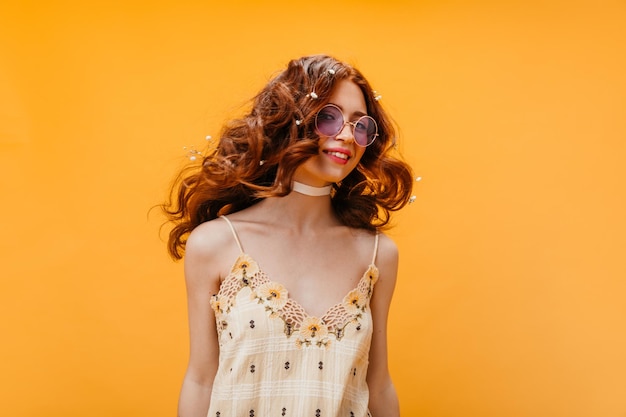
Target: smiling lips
<point>340,155</point>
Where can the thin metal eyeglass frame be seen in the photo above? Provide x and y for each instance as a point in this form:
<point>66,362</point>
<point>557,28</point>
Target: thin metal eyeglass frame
<point>352,124</point>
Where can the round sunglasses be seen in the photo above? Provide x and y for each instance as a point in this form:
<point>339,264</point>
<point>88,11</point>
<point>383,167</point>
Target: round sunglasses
<point>329,121</point>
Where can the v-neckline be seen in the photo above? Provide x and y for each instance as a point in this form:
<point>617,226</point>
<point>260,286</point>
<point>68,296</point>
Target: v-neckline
<point>328,311</point>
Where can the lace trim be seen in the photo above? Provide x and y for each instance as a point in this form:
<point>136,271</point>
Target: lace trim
<point>309,330</point>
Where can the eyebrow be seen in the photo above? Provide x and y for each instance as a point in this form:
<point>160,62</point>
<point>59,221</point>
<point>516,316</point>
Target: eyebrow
<point>356,113</point>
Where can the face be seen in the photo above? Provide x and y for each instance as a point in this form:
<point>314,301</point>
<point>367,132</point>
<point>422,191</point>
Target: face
<point>338,155</point>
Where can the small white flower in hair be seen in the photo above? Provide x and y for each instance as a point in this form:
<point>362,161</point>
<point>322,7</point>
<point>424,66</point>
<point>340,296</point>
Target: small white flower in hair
<point>298,122</point>
<point>313,95</point>
<point>331,71</point>
<point>192,153</point>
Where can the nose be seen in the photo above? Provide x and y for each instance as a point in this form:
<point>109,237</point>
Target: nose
<point>346,133</point>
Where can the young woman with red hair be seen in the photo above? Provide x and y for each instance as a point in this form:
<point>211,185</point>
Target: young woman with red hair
<point>288,274</point>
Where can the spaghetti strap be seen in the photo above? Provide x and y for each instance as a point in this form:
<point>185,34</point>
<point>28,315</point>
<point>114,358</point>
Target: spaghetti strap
<point>232,229</point>
<point>375,249</point>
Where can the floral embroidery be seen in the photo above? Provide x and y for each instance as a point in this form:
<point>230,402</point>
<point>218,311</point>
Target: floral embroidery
<point>313,331</point>
<point>218,303</point>
<point>372,275</point>
<point>273,295</point>
<point>366,286</point>
<point>244,268</point>
<point>324,343</point>
<point>340,320</point>
<point>339,332</point>
<point>354,302</point>
<point>313,327</point>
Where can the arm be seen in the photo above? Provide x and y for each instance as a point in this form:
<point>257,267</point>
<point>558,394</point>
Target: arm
<point>383,398</point>
<point>202,279</point>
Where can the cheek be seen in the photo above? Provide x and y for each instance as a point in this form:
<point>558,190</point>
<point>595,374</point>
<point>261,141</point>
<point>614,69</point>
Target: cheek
<point>358,154</point>
<point>322,141</point>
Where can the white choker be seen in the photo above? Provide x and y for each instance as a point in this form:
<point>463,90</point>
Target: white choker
<point>312,191</point>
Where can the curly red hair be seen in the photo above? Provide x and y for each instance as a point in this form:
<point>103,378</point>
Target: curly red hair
<point>258,154</point>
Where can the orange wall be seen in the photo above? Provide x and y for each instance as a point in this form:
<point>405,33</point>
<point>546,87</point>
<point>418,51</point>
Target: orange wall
<point>511,295</point>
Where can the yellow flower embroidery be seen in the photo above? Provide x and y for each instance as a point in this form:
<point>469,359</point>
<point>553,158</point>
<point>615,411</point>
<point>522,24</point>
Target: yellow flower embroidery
<point>312,332</point>
<point>217,303</point>
<point>312,327</point>
<point>372,274</point>
<point>354,302</point>
<point>272,294</point>
<point>244,268</point>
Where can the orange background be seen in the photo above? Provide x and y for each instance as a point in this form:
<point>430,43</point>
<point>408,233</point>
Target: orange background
<point>512,288</point>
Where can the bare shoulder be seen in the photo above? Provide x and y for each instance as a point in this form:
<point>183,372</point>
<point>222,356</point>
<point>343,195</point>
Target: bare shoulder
<point>387,246</point>
<point>211,247</point>
<point>387,257</point>
<point>207,237</point>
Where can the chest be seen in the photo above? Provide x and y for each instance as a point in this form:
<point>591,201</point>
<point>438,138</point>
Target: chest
<point>316,275</point>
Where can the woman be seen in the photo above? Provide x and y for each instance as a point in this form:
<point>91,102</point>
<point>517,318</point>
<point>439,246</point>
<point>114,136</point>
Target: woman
<point>289,280</point>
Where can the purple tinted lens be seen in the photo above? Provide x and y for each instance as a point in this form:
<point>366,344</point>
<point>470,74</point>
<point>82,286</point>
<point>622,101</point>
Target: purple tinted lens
<point>365,130</point>
<point>329,121</point>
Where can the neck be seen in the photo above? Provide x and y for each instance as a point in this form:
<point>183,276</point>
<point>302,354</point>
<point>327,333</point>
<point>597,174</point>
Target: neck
<point>298,211</point>
<point>309,190</point>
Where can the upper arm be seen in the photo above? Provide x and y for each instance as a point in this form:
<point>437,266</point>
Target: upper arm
<point>202,277</point>
<point>387,262</point>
